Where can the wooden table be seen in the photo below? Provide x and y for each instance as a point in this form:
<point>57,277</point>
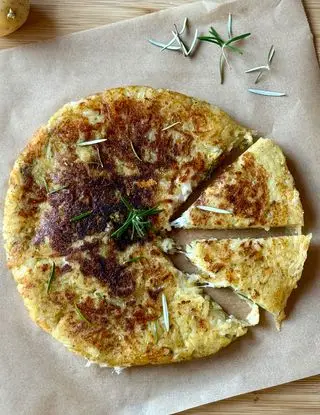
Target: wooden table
<point>51,18</point>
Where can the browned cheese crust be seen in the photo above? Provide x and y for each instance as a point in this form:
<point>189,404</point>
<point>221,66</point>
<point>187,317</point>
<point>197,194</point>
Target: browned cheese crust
<point>256,191</point>
<point>98,304</point>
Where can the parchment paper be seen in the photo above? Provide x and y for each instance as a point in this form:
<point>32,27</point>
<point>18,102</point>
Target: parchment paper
<point>38,375</point>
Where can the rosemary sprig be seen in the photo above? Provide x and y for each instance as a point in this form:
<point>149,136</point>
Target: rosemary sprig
<point>80,314</point>
<point>263,68</point>
<point>180,44</point>
<point>136,220</point>
<point>165,313</point>
<point>267,93</point>
<point>214,37</point>
<point>81,216</point>
<point>134,151</point>
<point>57,190</point>
<point>215,210</point>
<point>170,126</point>
<point>91,142</point>
<point>51,276</point>
<point>134,259</point>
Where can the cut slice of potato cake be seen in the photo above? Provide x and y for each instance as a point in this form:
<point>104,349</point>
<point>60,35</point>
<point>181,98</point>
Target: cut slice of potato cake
<point>256,191</point>
<point>263,270</point>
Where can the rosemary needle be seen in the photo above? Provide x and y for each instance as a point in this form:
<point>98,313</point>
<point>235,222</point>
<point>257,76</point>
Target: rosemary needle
<point>267,93</point>
<point>81,216</point>
<point>80,314</point>
<point>177,43</point>
<point>215,210</point>
<point>263,68</point>
<point>170,126</point>
<point>45,184</point>
<point>230,26</point>
<point>90,143</point>
<point>57,190</point>
<point>165,312</point>
<point>134,259</point>
<point>134,151</point>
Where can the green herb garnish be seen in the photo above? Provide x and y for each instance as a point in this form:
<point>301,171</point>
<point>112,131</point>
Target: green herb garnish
<point>134,259</point>
<point>81,216</point>
<point>180,44</point>
<point>51,276</point>
<point>214,37</point>
<point>80,314</point>
<point>136,220</point>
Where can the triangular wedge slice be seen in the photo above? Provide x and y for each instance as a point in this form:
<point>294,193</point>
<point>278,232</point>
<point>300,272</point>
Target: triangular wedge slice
<point>263,270</point>
<point>256,191</point>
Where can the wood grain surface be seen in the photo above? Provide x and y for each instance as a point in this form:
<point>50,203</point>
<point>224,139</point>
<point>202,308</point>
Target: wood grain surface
<point>50,18</point>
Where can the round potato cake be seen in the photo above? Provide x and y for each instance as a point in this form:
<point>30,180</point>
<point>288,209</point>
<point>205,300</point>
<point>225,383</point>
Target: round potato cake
<point>89,202</point>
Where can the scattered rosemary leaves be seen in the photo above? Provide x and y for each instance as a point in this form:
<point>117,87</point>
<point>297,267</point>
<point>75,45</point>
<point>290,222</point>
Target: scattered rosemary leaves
<point>214,37</point>
<point>81,216</point>
<point>92,142</point>
<point>165,313</point>
<point>215,210</point>
<point>80,314</point>
<point>136,220</point>
<point>170,126</point>
<point>51,276</point>
<point>134,259</point>
<point>134,151</point>
<point>177,43</point>
<point>263,68</point>
<point>267,93</point>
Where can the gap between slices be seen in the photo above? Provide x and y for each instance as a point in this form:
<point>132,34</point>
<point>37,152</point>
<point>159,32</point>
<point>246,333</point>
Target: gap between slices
<point>255,193</point>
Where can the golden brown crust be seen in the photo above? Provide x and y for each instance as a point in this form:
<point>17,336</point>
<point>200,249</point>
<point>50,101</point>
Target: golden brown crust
<point>264,270</point>
<point>97,304</point>
<point>257,189</point>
